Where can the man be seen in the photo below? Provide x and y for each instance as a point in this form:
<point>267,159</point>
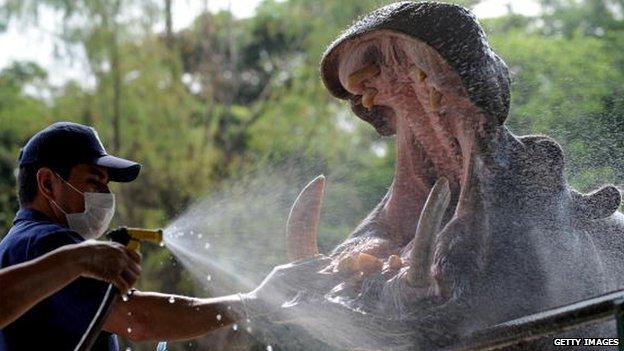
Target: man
<point>28,283</point>
<point>63,178</point>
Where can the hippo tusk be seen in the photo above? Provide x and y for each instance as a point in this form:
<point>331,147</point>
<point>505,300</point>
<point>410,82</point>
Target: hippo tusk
<point>361,75</point>
<point>428,227</point>
<point>368,99</point>
<point>303,220</point>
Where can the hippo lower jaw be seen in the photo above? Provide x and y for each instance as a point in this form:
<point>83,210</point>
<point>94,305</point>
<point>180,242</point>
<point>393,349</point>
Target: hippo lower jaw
<point>422,100</point>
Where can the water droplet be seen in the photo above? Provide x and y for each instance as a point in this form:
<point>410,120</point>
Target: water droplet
<point>171,299</point>
<point>206,246</point>
<point>219,317</point>
<point>208,277</point>
<point>199,235</point>
<point>124,297</point>
<point>269,348</point>
<point>249,330</point>
<point>128,348</point>
<point>129,313</point>
<point>162,243</point>
<point>229,308</point>
<point>129,330</point>
<point>235,327</point>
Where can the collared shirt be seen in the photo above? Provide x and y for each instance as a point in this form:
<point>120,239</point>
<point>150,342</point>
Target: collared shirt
<point>58,322</point>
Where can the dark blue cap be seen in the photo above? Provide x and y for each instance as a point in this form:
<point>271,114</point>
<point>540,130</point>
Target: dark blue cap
<point>68,144</point>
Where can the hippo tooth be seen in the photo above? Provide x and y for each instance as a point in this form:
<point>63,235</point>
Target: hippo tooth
<point>428,227</point>
<point>368,99</point>
<point>303,220</point>
<point>435,98</point>
<point>347,265</point>
<point>369,263</point>
<point>361,75</point>
<point>418,74</point>
<point>395,262</point>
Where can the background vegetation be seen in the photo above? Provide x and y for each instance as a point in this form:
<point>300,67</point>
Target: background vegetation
<point>224,98</point>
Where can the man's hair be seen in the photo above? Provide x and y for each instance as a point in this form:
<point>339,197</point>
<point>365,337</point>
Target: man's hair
<point>27,181</point>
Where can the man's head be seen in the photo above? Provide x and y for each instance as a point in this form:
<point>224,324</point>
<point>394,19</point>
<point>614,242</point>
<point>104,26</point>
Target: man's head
<point>63,161</point>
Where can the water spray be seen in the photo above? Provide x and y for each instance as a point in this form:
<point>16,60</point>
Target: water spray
<point>131,238</point>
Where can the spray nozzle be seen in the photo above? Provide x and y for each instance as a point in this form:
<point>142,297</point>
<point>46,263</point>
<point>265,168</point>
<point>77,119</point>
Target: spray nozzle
<point>132,237</point>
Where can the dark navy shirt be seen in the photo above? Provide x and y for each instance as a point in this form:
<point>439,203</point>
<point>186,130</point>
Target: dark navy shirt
<point>58,322</point>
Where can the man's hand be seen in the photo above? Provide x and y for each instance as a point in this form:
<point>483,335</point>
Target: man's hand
<point>283,284</point>
<point>108,261</point>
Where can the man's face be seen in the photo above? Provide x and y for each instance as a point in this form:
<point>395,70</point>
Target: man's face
<point>85,178</point>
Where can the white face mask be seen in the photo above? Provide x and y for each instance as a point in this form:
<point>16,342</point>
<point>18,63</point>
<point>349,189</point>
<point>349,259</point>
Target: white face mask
<point>99,211</point>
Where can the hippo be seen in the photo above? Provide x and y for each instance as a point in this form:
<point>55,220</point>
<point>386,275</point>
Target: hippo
<point>479,225</point>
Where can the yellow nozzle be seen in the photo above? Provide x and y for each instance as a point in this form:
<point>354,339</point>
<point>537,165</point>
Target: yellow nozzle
<point>139,234</point>
<point>153,235</point>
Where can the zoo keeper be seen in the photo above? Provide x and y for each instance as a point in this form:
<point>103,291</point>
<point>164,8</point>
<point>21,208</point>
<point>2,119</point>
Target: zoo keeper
<point>63,177</point>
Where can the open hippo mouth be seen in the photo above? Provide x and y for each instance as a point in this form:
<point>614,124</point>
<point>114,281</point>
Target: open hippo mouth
<point>415,94</point>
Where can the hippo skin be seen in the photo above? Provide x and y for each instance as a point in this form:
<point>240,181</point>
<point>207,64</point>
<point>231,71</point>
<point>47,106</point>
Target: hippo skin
<point>479,225</point>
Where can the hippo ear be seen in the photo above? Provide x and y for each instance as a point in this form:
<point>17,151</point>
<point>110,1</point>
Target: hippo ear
<point>598,204</point>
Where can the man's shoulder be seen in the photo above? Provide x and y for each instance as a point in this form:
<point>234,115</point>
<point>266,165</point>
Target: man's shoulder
<point>31,238</point>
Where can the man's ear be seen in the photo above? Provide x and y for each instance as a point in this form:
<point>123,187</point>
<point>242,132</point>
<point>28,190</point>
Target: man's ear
<point>45,181</point>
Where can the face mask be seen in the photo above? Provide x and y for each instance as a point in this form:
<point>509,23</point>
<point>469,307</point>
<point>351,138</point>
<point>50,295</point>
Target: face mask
<point>93,222</point>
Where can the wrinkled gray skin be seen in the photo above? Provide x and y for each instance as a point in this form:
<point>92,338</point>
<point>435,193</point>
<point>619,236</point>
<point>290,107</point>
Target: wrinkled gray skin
<point>515,239</point>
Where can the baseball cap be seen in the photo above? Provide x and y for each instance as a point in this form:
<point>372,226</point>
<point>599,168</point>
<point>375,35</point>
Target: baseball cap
<point>69,144</point>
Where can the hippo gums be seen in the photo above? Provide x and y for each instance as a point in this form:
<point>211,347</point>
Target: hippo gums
<point>479,225</point>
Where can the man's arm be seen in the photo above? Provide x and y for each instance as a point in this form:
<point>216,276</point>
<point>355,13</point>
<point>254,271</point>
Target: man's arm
<point>155,316</point>
<point>26,284</point>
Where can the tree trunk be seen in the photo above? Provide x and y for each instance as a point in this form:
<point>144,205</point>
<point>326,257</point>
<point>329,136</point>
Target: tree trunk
<point>117,84</point>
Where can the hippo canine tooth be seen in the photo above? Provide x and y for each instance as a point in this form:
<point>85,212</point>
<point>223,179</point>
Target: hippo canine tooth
<point>368,99</point>
<point>428,227</point>
<point>303,220</point>
<point>361,75</point>
<point>435,99</point>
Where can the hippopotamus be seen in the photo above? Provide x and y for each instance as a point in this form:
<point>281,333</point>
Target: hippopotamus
<point>479,225</point>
